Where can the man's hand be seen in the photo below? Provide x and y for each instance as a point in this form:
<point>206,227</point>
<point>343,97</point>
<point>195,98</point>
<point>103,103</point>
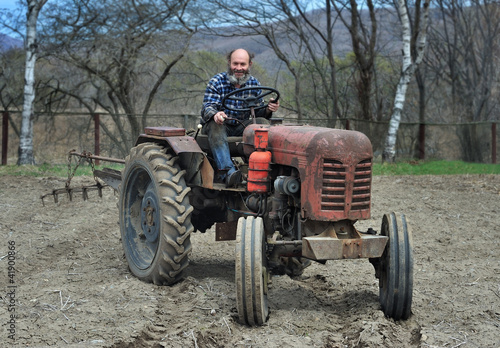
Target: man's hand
<point>220,117</point>
<point>272,106</point>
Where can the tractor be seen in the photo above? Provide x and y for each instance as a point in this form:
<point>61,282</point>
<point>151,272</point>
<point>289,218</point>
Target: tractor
<point>305,188</point>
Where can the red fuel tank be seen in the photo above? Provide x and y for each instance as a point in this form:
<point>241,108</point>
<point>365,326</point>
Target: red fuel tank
<point>259,164</point>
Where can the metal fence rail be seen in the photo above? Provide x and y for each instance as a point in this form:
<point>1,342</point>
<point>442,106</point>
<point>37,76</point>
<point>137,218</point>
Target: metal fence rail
<point>56,134</point>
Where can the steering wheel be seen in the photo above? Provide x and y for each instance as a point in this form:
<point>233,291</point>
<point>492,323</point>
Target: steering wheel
<point>251,101</point>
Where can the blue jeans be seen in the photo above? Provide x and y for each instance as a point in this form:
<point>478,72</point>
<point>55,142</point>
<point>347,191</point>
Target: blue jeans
<point>217,140</point>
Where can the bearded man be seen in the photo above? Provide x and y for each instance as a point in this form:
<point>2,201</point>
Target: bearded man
<point>214,115</point>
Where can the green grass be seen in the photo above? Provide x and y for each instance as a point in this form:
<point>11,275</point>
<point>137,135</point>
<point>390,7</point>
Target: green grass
<point>401,168</point>
<point>435,168</point>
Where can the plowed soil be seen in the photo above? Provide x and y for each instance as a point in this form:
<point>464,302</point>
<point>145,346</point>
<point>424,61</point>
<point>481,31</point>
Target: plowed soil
<point>72,287</point>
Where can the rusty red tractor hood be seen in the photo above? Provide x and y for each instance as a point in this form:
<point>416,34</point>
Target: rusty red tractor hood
<point>335,168</point>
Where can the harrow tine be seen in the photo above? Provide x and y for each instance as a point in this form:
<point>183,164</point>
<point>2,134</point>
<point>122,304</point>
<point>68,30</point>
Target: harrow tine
<point>70,191</point>
<point>110,174</point>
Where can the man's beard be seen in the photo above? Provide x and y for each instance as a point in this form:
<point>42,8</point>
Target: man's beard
<point>240,81</point>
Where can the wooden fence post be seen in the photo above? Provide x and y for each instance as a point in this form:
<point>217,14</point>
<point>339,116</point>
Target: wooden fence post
<point>493,143</point>
<point>5,137</point>
<point>97,144</point>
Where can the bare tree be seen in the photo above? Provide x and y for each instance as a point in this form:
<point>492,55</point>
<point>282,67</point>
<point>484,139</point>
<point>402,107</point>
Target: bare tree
<point>13,68</point>
<point>26,155</point>
<point>12,64</point>
<point>364,39</point>
<point>123,51</point>
<point>464,50</point>
<point>413,52</point>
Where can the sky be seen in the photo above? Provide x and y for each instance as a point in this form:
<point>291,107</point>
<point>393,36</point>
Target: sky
<point>8,4</point>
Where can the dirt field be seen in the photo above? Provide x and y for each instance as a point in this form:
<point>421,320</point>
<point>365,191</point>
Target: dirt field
<point>72,286</point>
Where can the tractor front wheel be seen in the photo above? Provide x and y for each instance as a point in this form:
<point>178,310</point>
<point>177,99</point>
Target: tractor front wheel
<point>395,268</point>
<point>155,215</point>
<point>252,275</point>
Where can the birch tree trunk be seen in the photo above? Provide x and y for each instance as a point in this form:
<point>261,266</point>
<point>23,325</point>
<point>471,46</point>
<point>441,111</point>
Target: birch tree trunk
<point>407,71</point>
<point>25,152</point>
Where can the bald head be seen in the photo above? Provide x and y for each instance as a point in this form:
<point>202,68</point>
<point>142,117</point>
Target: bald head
<point>240,54</point>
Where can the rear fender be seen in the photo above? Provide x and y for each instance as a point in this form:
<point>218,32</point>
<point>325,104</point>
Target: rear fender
<point>175,138</point>
<point>192,158</point>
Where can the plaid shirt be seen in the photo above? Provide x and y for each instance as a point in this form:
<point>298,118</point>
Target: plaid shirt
<point>217,88</point>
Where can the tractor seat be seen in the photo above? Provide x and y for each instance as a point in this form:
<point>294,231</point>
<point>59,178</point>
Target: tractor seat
<point>235,145</point>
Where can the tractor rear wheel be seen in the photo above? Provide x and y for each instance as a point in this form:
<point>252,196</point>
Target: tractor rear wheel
<point>252,275</point>
<point>395,268</point>
<point>155,221</point>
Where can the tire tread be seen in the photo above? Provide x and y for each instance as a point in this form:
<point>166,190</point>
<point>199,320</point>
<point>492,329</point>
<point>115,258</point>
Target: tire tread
<point>176,228</point>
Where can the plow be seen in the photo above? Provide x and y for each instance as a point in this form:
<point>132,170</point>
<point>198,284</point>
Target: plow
<point>110,176</point>
<point>304,189</point>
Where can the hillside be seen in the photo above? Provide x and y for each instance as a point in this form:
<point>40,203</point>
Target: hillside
<point>230,37</point>
<point>388,38</point>
<point>7,43</point>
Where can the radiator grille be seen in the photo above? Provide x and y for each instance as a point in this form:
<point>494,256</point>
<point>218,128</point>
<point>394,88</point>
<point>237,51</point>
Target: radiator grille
<point>333,195</point>
<point>334,179</point>
<point>362,184</point>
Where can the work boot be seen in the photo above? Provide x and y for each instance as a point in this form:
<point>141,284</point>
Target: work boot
<point>233,179</point>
